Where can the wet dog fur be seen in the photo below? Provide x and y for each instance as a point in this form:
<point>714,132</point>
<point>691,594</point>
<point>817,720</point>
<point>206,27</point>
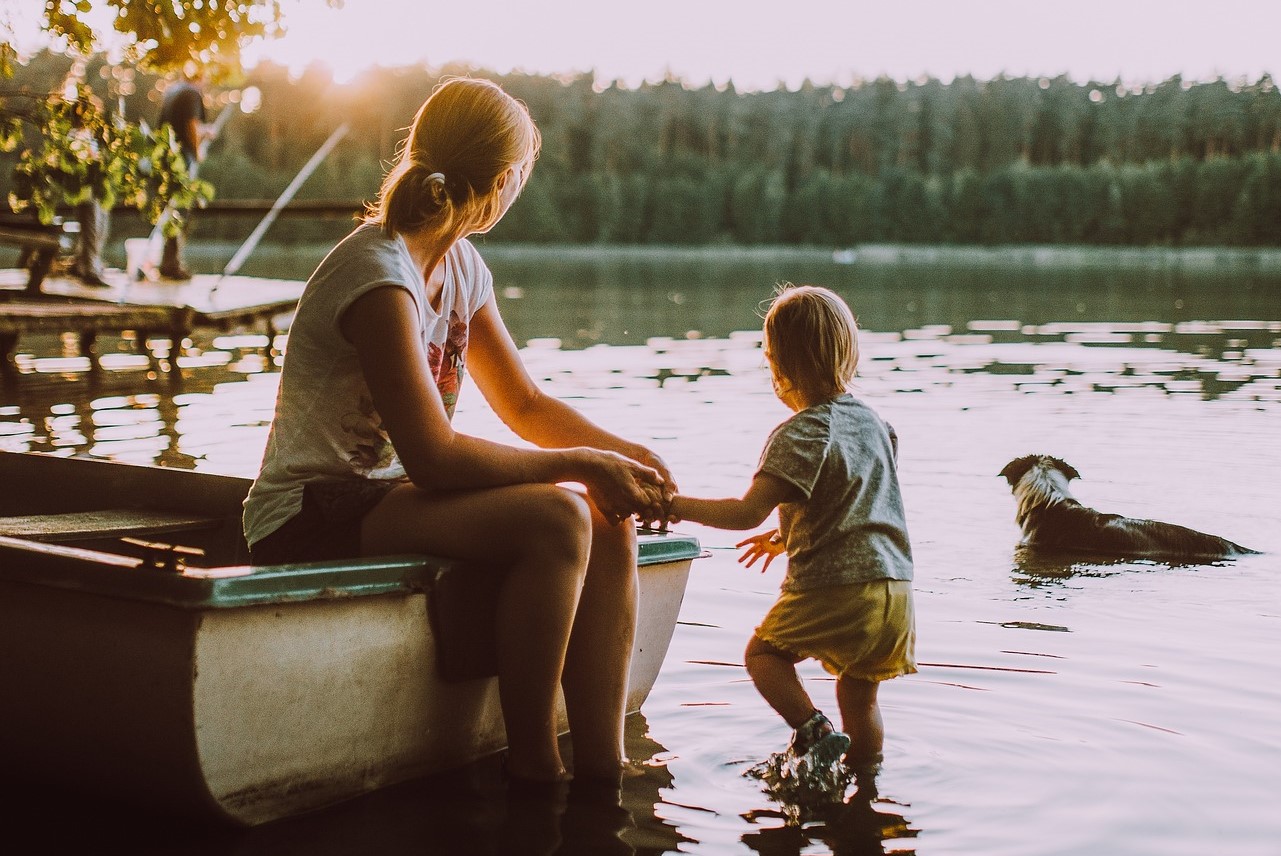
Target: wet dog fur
<point>1053,520</point>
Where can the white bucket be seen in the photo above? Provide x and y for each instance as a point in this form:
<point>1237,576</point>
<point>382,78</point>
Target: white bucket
<point>139,263</point>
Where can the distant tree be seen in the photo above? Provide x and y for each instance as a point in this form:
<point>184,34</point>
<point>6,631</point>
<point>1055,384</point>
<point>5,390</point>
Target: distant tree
<point>806,218</point>
<point>1258,211</point>
<point>1005,160</point>
<point>965,202</point>
<point>1218,187</point>
<point>1147,203</point>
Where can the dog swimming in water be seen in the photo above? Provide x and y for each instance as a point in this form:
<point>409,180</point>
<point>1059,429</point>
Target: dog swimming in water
<point>1053,520</point>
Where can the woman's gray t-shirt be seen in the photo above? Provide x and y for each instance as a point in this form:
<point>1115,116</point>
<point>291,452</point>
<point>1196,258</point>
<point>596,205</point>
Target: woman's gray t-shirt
<point>850,527</point>
<point>326,427</point>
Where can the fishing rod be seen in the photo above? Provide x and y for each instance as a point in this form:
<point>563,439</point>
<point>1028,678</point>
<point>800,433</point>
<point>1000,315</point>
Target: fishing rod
<point>251,242</point>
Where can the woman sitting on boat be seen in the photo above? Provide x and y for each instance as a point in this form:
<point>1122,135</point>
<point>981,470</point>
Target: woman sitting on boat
<point>362,459</point>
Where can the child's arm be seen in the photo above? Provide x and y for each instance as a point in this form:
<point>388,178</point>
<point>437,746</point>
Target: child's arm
<point>763,496</point>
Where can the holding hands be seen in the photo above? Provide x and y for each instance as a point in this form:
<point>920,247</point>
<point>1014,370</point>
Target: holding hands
<point>621,487</point>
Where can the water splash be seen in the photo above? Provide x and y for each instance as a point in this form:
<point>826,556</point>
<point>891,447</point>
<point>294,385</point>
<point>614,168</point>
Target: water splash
<point>804,787</point>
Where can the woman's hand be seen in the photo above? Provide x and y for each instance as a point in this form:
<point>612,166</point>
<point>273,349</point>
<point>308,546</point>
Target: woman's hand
<point>621,487</point>
<point>768,544</point>
<point>651,459</point>
<point>662,517</point>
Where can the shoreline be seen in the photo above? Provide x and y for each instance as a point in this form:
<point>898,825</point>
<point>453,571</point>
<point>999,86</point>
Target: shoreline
<point>1207,259</point>
<point>1263,259</point>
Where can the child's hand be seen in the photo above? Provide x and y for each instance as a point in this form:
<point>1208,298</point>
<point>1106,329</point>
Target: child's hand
<point>669,514</point>
<point>659,513</point>
<point>767,544</point>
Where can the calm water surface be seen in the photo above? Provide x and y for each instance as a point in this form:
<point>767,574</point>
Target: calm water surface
<point>1117,709</point>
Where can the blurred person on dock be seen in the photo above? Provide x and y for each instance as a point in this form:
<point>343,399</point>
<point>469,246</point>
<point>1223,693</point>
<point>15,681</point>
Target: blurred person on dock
<point>183,109</point>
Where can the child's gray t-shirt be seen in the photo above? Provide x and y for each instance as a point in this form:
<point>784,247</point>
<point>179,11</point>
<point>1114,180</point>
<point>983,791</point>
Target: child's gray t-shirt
<point>850,527</point>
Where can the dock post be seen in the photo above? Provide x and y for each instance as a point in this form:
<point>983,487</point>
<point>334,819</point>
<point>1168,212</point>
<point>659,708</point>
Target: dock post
<point>269,353</point>
<point>8,365</point>
<point>88,348</point>
<point>181,323</point>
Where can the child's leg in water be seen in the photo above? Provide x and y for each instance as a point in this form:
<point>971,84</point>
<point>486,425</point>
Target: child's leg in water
<point>861,718</point>
<point>773,671</point>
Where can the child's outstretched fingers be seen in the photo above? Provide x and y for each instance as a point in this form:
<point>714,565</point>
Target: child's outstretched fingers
<point>766,544</point>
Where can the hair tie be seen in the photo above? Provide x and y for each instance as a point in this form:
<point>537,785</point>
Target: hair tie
<point>436,188</point>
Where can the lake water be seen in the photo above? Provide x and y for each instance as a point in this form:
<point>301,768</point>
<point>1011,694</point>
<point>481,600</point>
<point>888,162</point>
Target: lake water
<point>1117,709</point>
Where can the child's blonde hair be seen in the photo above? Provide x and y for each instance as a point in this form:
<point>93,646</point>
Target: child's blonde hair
<point>812,338</point>
<point>465,136</point>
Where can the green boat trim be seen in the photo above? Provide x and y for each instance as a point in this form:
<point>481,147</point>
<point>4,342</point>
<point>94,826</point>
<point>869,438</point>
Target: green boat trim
<point>128,577</point>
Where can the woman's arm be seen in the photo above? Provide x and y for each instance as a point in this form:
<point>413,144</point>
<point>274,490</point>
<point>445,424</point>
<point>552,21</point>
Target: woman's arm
<point>381,325</point>
<point>542,419</point>
<point>763,496</point>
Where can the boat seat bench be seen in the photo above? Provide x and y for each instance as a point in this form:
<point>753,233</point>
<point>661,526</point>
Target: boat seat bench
<point>104,523</point>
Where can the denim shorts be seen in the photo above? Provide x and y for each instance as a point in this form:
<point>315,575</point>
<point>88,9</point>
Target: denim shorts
<point>327,526</point>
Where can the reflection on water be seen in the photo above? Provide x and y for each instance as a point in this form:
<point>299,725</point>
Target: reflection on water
<point>858,828</point>
<point>1120,708</point>
<point>216,418</point>
<point>467,812</point>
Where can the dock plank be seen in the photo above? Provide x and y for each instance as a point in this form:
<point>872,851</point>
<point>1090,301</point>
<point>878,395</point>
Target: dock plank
<point>175,308</point>
<point>105,523</point>
<point>31,317</point>
<point>233,295</point>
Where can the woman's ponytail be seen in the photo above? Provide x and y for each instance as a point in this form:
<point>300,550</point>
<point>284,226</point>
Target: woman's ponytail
<point>464,138</point>
<point>411,197</point>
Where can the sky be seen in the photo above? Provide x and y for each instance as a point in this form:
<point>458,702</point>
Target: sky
<point>760,45</point>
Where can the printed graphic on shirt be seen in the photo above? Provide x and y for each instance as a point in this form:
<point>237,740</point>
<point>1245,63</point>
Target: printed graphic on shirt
<point>447,363</point>
<point>368,447</point>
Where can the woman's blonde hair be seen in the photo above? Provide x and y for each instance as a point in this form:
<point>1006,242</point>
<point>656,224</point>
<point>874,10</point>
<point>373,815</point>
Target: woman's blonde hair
<point>812,339</point>
<point>466,135</point>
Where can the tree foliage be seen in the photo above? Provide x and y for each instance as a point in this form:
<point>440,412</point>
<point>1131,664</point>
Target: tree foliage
<point>1009,160</point>
<point>71,150</point>
<point>163,35</point>
<point>81,154</point>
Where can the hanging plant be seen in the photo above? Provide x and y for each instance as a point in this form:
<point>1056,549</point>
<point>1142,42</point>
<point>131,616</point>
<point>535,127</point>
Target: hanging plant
<point>82,154</point>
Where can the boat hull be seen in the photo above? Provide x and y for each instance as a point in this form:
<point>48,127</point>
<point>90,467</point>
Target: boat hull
<point>257,712</point>
<point>236,692</point>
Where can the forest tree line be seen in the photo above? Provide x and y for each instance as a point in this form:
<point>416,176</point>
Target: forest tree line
<point>1003,161</point>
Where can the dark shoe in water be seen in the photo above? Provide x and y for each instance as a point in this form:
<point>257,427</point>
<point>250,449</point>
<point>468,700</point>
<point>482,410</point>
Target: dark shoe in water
<point>826,753</point>
<point>816,732</point>
<point>809,777</point>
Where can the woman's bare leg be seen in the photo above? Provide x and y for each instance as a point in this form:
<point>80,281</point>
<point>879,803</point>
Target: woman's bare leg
<point>600,651</point>
<point>543,533</point>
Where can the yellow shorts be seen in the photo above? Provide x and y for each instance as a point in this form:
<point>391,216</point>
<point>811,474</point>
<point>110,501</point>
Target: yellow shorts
<point>861,630</point>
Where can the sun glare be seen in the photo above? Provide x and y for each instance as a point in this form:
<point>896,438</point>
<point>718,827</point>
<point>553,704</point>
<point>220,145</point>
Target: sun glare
<point>754,45</point>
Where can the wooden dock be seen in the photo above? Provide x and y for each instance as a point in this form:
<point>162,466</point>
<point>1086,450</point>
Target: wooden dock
<point>170,308</point>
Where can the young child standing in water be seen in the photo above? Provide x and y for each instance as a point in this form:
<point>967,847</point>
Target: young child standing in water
<point>846,600</point>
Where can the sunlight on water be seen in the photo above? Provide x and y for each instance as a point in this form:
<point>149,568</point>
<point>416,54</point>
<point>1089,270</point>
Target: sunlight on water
<point>1124,708</point>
